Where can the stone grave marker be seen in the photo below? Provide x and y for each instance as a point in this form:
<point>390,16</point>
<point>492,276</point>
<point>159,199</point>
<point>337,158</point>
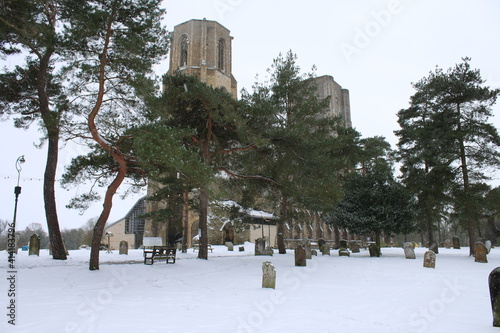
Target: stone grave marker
<point>325,249</point>
<point>355,247</point>
<point>447,244</point>
<point>321,242</point>
<point>488,246</point>
<point>300,256</point>
<point>268,275</point>
<point>123,247</point>
<point>260,247</point>
<point>241,248</point>
<point>314,252</point>
<point>34,245</point>
<point>494,284</point>
<point>456,242</point>
<point>480,253</point>
<point>434,247</point>
<point>430,259</point>
<point>409,248</point>
<point>230,246</point>
<point>306,244</point>
<point>374,250</point>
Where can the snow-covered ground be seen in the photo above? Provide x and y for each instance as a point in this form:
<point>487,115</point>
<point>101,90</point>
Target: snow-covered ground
<point>224,294</point>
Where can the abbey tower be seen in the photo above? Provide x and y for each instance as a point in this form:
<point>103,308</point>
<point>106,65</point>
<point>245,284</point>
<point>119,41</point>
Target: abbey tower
<point>202,48</point>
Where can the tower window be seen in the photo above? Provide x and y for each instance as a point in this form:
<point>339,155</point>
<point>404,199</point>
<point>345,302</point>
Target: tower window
<point>221,49</point>
<point>184,51</point>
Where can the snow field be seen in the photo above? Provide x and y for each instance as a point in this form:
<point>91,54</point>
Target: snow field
<point>224,294</point>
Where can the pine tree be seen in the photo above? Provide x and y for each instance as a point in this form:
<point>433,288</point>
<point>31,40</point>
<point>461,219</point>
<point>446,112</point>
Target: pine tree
<point>301,150</point>
<point>454,137</point>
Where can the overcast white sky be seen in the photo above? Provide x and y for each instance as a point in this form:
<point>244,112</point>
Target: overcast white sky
<point>373,48</point>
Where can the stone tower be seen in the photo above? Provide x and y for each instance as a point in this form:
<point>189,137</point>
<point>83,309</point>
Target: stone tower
<point>338,98</point>
<point>202,48</point>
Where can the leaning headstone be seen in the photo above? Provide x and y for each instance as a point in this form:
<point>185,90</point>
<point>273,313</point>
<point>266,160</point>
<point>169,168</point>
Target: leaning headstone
<point>434,247</point>
<point>355,247</point>
<point>488,246</point>
<point>374,250</point>
<point>306,243</point>
<point>494,283</point>
<point>123,247</point>
<point>268,275</point>
<point>230,246</point>
<point>447,244</point>
<point>325,249</point>
<point>241,248</point>
<point>409,248</point>
<point>456,242</point>
<point>480,253</point>
<point>300,256</point>
<point>430,259</point>
<point>34,245</point>
<point>260,247</point>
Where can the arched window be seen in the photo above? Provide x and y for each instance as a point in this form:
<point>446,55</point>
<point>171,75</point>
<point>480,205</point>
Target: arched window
<point>221,49</point>
<point>184,51</point>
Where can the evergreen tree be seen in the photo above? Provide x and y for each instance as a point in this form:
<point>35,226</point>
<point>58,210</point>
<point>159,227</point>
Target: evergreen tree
<point>199,125</point>
<point>33,91</point>
<point>301,149</point>
<point>374,202</point>
<point>454,137</point>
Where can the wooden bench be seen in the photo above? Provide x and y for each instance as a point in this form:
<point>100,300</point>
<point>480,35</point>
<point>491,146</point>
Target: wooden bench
<point>158,253</point>
<point>197,247</point>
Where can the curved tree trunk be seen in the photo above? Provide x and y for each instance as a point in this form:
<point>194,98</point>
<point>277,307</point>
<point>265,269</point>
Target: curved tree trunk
<point>106,210</point>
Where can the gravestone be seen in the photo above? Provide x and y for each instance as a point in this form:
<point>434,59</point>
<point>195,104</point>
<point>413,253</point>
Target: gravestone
<point>456,242</point>
<point>300,256</point>
<point>343,244</point>
<point>480,253</point>
<point>325,249</point>
<point>123,247</point>
<point>321,242</point>
<point>230,246</point>
<point>269,251</point>
<point>494,284</point>
<point>488,246</point>
<point>306,243</point>
<point>260,247</point>
<point>447,244</point>
<point>241,248</point>
<point>34,245</point>
<point>374,250</point>
<point>409,248</point>
<point>430,259</point>
<point>434,247</point>
<point>355,247</point>
<point>268,275</point>
<point>314,252</point>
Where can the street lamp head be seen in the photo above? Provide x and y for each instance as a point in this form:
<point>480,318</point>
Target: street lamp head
<point>20,160</point>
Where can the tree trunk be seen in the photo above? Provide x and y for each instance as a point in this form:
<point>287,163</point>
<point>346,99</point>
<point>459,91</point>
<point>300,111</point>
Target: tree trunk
<point>106,210</point>
<point>203,247</point>
<point>377,241</point>
<point>49,197</point>
<point>466,188</point>
<point>281,226</point>
<point>185,220</point>
<point>51,122</point>
<point>430,233</point>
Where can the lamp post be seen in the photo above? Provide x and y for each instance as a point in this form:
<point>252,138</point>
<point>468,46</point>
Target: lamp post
<point>17,190</point>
